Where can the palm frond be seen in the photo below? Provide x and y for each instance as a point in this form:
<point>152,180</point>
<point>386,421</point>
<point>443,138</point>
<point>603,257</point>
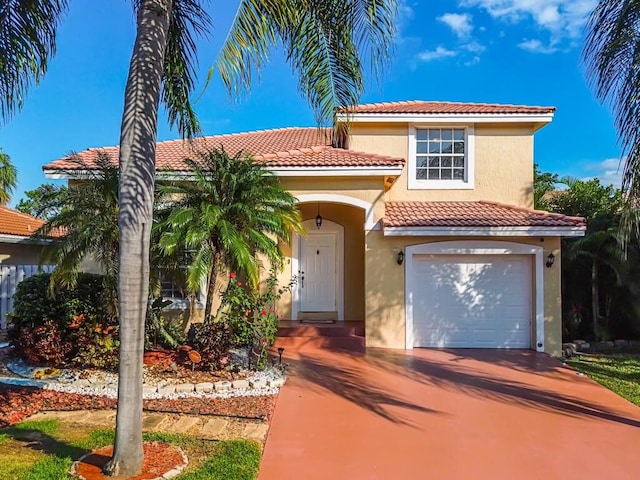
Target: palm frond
<point>189,20</point>
<point>8,178</point>
<point>323,42</point>
<point>27,42</point>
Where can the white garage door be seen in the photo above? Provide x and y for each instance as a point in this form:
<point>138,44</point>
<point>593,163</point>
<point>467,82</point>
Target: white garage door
<point>471,301</point>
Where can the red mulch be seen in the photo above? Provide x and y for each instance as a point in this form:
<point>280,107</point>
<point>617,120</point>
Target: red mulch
<point>159,458</point>
<point>17,403</point>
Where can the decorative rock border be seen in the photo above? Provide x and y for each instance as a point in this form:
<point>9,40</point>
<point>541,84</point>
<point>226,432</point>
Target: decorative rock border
<point>581,346</point>
<point>267,382</point>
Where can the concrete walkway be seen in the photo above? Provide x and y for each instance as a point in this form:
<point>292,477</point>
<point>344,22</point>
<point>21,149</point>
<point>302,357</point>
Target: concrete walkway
<point>432,414</point>
<point>205,427</point>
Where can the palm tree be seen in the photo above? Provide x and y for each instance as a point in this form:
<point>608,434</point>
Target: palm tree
<point>232,212</point>
<point>323,41</point>
<point>8,178</point>
<point>86,226</point>
<point>612,57</point>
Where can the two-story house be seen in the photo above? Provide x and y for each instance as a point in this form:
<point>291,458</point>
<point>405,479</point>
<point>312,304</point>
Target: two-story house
<point>423,226</point>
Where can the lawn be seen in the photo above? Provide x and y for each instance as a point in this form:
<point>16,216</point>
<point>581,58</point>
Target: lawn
<point>45,451</point>
<point>617,372</point>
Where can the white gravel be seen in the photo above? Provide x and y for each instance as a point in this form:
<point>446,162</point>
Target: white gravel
<point>106,384</point>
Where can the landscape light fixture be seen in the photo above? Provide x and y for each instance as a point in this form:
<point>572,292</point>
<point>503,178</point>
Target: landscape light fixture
<point>550,260</point>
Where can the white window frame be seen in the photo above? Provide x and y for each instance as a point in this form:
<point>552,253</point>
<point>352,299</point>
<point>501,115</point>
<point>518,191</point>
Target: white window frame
<point>469,161</point>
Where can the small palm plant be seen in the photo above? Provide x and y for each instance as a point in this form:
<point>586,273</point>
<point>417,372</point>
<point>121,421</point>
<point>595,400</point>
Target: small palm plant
<point>86,226</point>
<point>233,211</point>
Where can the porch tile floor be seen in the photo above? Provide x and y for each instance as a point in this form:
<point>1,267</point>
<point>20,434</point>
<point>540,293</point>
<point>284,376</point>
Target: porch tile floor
<point>445,414</point>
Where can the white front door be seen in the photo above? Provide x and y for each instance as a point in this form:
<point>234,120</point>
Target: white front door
<point>317,279</point>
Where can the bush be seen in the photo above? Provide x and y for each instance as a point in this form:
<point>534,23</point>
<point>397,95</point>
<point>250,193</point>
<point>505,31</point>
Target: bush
<point>213,341</point>
<point>251,315</point>
<point>70,326</point>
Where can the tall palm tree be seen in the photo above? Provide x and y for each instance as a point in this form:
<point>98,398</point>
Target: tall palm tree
<point>233,211</point>
<point>8,178</point>
<point>323,41</point>
<point>612,56</point>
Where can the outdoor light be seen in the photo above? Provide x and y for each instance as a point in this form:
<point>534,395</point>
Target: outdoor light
<point>400,258</point>
<point>318,218</point>
<point>280,352</point>
<point>550,260</point>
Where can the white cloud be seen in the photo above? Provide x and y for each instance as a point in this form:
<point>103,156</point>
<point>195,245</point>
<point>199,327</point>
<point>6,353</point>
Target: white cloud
<point>460,23</point>
<point>475,47</point>
<point>563,19</point>
<point>474,61</point>
<point>536,46</point>
<point>609,171</point>
<point>437,54</point>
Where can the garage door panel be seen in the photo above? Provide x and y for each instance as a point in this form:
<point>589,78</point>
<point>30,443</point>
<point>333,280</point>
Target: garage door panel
<point>471,301</point>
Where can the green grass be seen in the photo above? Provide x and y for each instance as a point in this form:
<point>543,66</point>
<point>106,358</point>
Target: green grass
<point>45,451</point>
<point>619,373</point>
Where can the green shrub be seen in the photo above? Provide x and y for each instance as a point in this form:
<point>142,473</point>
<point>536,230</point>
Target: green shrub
<point>68,326</point>
<point>251,314</point>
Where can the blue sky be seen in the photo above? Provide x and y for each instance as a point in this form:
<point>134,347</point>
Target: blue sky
<point>502,51</point>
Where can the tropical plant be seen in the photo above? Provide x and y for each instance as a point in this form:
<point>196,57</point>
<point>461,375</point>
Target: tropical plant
<point>233,212</point>
<point>85,225</point>
<point>612,56</point>
<point>71,327</point>
<point>251,313</point>
<point>42,202</point>
<point>322,39</point>
<point>8,178</point>
<point>544,186</point>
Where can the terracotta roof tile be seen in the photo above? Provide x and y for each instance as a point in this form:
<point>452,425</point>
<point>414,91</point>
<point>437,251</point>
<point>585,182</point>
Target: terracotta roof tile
<point>13,222</point>
<point>285,147</point>
<point>471,214</point>
<point>423,107</point>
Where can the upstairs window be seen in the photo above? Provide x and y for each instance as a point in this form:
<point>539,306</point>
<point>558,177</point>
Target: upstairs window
<point>441,158</point>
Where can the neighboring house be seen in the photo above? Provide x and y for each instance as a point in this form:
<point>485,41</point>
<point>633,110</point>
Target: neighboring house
<point>19,255</point>
<point>427,229</point>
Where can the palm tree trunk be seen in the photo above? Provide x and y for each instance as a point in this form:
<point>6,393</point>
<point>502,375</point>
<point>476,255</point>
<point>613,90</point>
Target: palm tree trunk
<point>211,291</point>
<point>137,176</point>
<point>595,308</point>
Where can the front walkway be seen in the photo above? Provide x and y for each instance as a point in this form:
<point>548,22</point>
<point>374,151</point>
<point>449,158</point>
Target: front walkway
<point>432,414</point>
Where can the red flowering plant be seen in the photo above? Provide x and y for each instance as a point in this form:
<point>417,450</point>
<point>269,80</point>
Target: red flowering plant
<point>251,313</point>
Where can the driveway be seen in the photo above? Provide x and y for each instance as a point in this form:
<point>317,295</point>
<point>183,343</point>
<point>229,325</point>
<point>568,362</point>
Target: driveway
<point>446,414</point>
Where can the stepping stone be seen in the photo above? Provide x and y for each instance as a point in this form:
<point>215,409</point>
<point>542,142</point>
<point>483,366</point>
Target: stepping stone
<point>213,428</point>
<point>183,424</point>
<point>154,422</point>
<point>256,431</point>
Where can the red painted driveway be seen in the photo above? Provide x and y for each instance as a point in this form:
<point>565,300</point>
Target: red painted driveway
<point>433,414</point>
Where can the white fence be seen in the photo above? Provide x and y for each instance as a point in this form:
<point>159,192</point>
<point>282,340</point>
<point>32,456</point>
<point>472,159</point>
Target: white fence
<point>10,277</point>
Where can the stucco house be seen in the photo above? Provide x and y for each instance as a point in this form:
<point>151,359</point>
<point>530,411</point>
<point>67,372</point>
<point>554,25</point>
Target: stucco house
<point>422,226</point>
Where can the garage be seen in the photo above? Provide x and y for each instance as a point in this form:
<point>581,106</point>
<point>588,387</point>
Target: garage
<point>470,300</point>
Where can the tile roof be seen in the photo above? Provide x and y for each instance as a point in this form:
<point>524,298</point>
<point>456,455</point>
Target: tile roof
<point>13,222</point>
<point>284,147</point>
<point>471,214</point>
<point>422,107</point>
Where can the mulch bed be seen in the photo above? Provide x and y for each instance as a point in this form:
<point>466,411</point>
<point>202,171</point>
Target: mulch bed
<point>159,458</point>
<point>18,403</point>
